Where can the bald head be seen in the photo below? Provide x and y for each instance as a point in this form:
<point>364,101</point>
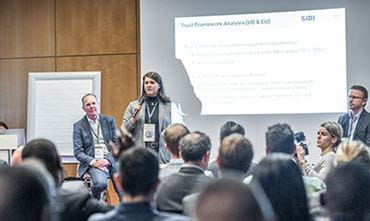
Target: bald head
<point>194,146</point>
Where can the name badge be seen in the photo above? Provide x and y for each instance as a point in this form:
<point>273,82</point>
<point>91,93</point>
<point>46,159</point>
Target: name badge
<point>149,132</point>
<point>99,151</point>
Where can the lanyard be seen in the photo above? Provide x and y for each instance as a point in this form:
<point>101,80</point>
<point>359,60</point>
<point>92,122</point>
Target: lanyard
<point>97,132</point>
<point>150,114</point>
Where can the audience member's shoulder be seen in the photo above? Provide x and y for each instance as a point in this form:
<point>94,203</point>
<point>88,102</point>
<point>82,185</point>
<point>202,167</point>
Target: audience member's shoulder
<point>189,202</point>
<point>171,217</point>
<point>111,215</point>
<point>333,156</point>
<point>169,177</point>
<point>79,205</point>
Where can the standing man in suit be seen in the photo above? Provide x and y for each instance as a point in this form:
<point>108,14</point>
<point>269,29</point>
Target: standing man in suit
<point>91,135</point>
<point>356,123</point>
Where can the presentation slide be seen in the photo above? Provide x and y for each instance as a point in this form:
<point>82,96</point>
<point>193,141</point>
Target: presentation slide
<point>257,62</point>
<point>265,63</point>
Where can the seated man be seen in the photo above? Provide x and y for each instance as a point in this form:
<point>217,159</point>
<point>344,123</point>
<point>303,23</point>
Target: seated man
<point>91,136</point>
<point>138,179</point>
<point>194,149</point>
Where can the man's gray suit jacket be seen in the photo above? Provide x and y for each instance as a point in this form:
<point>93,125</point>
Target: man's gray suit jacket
<point>83,142</point>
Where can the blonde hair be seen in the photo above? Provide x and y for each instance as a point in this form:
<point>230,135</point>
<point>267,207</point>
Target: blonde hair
<point>353,151</point>
<point>334,129</point>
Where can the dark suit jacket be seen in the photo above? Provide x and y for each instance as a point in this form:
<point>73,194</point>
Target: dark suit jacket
<point>362,130</point>
<point>79,206</point>
<point>176,186</point>
<point>141,211</point>
<point>83,142</point>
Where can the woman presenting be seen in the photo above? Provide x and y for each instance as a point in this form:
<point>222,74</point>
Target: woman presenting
<point>146,117</point>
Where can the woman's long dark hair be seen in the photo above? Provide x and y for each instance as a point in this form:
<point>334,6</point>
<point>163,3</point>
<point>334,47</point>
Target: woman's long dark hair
<point>45,151</point>
<point>281,179</point>
<point>157,78</point>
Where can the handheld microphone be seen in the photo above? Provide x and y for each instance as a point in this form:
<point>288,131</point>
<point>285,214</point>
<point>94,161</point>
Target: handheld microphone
<point>138,107</point>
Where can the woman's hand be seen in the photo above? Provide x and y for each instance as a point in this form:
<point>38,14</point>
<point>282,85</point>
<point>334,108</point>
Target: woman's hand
<point>300,154</point>
<point>133,120</point>
<point>134,114</point>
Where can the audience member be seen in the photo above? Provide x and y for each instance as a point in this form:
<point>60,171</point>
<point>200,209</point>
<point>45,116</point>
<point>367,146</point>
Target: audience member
<point>356,123</point>
<point>348,195</point>
<point>234,159</point>
<point>282,182</point>
<point>138,180</point>
<point>76,206</point>
<point>227,200</point>
<point>91,136</point>
<point>23,196</point>
<point>329,136</point>
<point>280,139</point>
<point>353,151</point>
<point>46,179</point>
<point>228,128</point>
<point>194,149</point>
<point>125,141</point>
<point>172,135</point>
<point>231,127</point>
<point>235,156</point>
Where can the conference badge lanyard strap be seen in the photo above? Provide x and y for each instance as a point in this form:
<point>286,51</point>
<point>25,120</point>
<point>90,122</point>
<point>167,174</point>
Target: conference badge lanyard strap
<point>99,147</point>
<point>149,129</point>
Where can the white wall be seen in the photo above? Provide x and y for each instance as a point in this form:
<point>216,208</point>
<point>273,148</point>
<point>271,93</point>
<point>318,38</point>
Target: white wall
<point>158,54</point>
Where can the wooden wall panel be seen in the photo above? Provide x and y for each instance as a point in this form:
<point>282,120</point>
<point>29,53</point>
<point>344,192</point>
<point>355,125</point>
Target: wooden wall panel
<point>86,27</point>
<point>70,169</point>
<point>27,28</point>
<point>13,87</point>
<point>119,77</point>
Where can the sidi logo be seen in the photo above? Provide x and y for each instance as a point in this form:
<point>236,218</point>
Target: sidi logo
<point>308,18</point>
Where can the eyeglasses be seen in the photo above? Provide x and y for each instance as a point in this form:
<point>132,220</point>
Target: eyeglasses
<point>354,97</point>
